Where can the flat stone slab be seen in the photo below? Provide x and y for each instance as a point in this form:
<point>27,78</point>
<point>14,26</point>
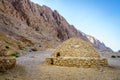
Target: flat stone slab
<point>77,61</point>
<point>7,63</point>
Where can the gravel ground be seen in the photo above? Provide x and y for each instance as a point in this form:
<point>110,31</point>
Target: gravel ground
<point>31,66</point>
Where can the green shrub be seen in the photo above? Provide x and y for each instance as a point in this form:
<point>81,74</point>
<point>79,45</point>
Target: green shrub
<point>13,53</point>
<point>23,48</point>
<point>119,51</point>
<point>118,56</point>
<point>113,56</point>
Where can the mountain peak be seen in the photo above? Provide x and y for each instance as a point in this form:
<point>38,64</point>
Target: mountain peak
<point>98,44</point>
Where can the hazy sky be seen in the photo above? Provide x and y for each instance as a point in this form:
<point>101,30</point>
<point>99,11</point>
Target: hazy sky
<point>99,18</point>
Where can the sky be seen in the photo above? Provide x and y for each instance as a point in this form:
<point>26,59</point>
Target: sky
<point>99,18</point>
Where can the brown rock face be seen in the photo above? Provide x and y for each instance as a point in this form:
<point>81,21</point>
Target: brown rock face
<point>36,25</point>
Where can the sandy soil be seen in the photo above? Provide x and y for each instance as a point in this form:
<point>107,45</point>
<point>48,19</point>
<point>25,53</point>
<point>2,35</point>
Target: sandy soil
<point>32,67</point>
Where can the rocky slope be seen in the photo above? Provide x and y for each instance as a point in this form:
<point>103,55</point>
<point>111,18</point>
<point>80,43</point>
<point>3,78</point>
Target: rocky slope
<point>97,44</point>
<point>33,25</point>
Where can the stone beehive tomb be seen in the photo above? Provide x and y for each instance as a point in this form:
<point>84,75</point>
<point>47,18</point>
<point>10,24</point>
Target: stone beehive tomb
<point>76,52</point>
<point>6,62</point>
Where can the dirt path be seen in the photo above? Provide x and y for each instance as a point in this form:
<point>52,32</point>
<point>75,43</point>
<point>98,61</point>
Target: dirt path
<point>32,67</point>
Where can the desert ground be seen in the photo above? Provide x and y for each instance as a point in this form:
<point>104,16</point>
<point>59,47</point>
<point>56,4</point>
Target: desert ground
<point>31,66</point>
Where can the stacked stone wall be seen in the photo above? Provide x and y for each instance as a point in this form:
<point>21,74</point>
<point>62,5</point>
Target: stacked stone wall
<point>7,63</point>
<point>77,62</point>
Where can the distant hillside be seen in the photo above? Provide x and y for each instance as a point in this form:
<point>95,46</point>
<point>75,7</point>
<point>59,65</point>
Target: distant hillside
<point>38,26</point>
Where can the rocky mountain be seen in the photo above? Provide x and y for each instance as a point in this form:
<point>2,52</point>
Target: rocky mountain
<point>97,44</point>
<point>32,25</point>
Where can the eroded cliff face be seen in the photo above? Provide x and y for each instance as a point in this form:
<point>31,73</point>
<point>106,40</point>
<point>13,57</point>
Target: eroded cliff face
<point>97,44</point>
<point>35,25</point>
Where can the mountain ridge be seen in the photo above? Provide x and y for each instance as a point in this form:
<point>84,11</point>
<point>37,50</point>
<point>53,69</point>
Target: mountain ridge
<point>32,24</point>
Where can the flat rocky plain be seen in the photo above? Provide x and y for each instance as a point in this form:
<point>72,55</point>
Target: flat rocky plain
<point>31,66</point>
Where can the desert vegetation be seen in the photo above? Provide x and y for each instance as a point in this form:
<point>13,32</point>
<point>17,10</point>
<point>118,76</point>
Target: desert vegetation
<point>13,53</point>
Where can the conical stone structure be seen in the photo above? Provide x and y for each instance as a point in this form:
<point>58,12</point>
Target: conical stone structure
<point>75,47</point>
<point>76,52</point>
